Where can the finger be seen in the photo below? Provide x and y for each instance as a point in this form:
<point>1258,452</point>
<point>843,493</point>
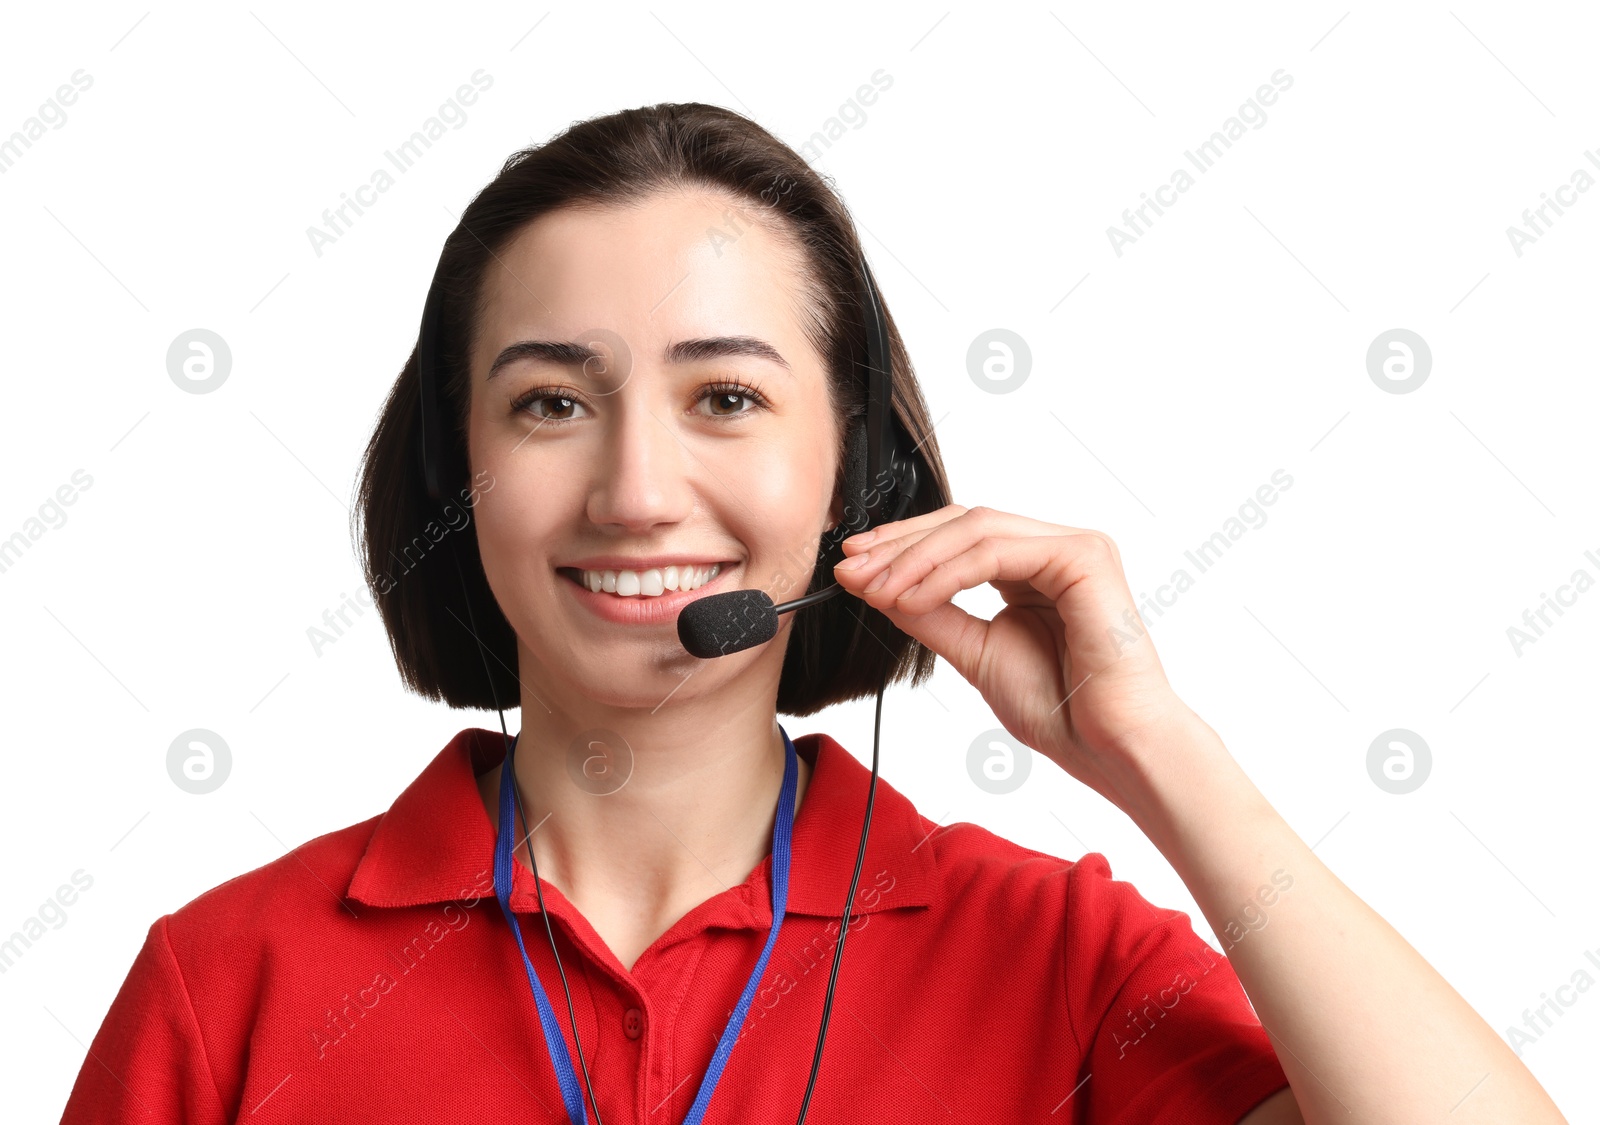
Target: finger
<point>885,532</point>
<point>949,631</point>
<point>916,555</point>
<point>1053,565</point>
<point>883,548</point>
<point>866,569</point>
<point>860,568</point>
<point>858,571</point>
<point>929,582</point>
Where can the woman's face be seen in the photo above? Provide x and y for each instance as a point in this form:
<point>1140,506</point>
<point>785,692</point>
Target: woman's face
<point>699,434</point>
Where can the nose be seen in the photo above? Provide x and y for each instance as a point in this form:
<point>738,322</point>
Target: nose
<point>643,477</point>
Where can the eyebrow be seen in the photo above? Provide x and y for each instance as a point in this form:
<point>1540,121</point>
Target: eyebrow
<point>568,352</point>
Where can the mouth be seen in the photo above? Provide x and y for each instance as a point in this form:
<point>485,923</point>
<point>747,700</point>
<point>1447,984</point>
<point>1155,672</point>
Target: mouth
<point>645,597</point>
<point>653,583</point>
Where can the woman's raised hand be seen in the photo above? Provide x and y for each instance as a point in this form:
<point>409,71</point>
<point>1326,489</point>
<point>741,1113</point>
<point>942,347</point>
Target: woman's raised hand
<point>1067,666</point>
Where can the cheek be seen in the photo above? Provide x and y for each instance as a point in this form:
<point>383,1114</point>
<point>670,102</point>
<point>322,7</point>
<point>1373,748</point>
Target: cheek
<point>516,521</point>
<point>786,499</point>
<point>774,486</point>
<point>781,511</point>
<point>785,481</point>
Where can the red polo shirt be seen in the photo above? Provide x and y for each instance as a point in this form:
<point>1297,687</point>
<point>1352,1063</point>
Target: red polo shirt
<point>369,976</point>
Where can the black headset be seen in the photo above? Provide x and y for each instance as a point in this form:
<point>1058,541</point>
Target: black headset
<point>881,467</point>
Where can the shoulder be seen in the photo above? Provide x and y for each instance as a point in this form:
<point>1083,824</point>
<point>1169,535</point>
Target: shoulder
<point>273,903</point>
<point>972,859</point>
<point>266,941</point>
<point>977,868</point>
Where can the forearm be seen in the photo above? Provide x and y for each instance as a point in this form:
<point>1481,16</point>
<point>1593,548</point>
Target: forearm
<point>1364,1027</point>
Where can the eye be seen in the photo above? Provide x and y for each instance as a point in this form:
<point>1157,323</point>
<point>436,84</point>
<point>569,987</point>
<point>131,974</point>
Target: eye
<point>718,395</point>
<point>565,404</point>
<point>723,397</point>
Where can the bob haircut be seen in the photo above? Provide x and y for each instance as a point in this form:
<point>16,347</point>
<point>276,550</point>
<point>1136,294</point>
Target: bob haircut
<point>838,650</point>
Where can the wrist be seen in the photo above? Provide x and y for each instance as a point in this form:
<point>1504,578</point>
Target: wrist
<point>1182,787</point>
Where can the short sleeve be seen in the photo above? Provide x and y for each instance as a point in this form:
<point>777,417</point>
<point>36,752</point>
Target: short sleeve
<point>147,1062</point>
<point>1164,1027</point>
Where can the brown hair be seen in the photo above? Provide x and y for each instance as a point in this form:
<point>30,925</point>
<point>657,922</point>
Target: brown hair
<point>838,650</point>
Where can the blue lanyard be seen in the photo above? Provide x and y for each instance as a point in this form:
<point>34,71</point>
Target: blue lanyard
<point>555,1041</point>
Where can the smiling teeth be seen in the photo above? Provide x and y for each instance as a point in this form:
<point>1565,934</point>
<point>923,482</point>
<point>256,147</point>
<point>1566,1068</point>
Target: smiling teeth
<point>649,583</point>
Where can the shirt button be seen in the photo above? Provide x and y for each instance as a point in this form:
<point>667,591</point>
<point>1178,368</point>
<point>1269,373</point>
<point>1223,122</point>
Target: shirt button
<point>633,1023</point>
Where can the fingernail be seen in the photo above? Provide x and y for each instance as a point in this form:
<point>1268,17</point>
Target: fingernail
<point>863,537</point>
<point>852,562</point>
<point>909,592</point>
<point>876,582</point>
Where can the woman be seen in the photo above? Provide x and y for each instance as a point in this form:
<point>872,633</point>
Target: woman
<point>649,340</point>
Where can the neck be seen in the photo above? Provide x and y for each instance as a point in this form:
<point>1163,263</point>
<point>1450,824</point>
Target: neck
<point>636,816</point>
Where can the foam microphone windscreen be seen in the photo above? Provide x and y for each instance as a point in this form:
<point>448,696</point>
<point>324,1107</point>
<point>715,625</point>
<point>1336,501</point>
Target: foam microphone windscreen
<point>721,624</point>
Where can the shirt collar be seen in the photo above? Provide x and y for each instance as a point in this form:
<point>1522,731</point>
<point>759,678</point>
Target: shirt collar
<point>435,844</point>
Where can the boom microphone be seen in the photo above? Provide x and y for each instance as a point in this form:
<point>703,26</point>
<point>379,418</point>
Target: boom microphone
<point>721,624</point>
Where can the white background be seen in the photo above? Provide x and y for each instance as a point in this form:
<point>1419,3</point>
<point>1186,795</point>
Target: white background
<point>1228,342</point>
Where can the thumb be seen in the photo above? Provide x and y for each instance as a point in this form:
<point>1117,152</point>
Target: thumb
<point>948,630</point>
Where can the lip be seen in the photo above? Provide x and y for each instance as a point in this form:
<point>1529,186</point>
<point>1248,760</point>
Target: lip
<point>642,609</point>
<point>654,562</point>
